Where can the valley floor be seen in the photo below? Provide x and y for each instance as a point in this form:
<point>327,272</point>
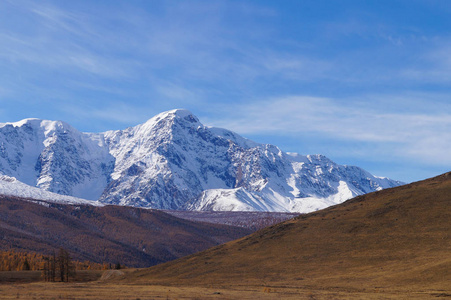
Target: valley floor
<point>109,290</point>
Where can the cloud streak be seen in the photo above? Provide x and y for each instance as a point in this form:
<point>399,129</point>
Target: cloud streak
<point>421,135</point>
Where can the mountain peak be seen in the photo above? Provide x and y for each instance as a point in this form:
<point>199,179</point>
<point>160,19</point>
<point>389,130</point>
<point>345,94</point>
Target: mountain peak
<point>162,122</point>
<point>45,125</point>
<point>30,121</point>
<point>181,114</point>
<point>175,113</point>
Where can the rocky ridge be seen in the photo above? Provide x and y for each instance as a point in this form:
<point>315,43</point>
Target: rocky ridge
<point>175,162</point>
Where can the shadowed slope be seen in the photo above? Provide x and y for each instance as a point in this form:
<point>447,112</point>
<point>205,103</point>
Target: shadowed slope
<point>132,236</point>
<point>398,238</point>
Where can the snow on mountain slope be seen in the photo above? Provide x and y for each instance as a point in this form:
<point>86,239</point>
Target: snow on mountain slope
<point>10,186</point>
<point>54,156</point>
<point>168,161</point>
<point>174,162</point>
<point>229,200</point>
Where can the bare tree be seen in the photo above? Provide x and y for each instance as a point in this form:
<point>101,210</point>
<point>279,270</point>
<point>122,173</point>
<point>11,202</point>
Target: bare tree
<point>46,269</point>
<point>66,268</point>
<point>53,267</point>
<point>50,267</point>
<point>61,263</point>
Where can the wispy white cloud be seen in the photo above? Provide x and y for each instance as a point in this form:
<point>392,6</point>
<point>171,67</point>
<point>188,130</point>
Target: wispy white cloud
<point>417,134</point>
<point>174,91</point>
<point>434,65</point>
<point>117,112</point>
<point>58,19</point>
<point>191,42</point>
<point>58,39</point>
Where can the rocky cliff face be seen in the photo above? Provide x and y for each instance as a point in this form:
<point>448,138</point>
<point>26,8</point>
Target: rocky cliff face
<point>54,156</point>
<point>174,162</point>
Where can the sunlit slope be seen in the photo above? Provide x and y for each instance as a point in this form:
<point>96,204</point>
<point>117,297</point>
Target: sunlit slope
<point>396,238</point>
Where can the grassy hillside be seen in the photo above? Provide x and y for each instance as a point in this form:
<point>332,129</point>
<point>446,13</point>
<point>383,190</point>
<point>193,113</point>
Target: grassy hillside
<point>395,239</point>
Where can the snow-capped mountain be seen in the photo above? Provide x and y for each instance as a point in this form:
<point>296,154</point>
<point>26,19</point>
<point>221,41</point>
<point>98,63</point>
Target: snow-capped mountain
<point>174,162</point>
<point>54,156</point>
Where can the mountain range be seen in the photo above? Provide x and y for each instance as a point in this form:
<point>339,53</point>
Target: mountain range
<point>173,162</point>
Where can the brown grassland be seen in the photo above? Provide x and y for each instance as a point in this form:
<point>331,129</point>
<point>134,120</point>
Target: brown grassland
<point>392,244</point>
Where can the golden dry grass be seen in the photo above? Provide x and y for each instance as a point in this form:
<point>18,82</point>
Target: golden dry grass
<point>99,290</point>
<point>397,240</point>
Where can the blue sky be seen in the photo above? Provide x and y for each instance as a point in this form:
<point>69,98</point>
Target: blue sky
<point>366,83</point>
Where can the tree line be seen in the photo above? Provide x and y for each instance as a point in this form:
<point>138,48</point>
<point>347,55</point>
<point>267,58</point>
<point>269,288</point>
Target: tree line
<point>16,260</point>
